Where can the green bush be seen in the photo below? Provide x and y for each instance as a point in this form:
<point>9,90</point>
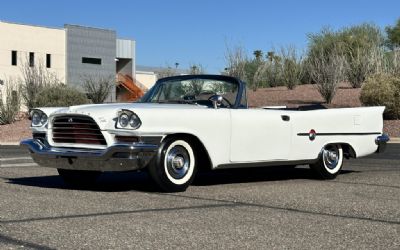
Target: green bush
<point>60,95</point>
<point>291,67</point>
<point>360,45</point>
<point>382,90</point>
<point>10,100</point>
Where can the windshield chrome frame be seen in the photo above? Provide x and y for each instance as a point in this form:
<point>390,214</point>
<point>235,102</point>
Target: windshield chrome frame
<point>241,86</point>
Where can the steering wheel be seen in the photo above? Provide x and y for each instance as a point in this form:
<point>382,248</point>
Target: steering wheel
<point>223,99</point>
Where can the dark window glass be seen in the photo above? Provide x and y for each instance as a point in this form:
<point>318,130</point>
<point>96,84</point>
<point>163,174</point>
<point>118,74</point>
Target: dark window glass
<point>31,59</point>
<point>91,60</point>
<point>48,60</point>
<point>14,58</point>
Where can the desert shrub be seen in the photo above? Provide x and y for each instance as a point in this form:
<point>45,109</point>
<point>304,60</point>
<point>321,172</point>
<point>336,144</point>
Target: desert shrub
<point>357,44</point>
<point>327,71</point>
<point>291,67</point>
<point>382,90</point>
<point>34,80</point>
<point>10,102</point>
<point>98,88</point>
<point>59,95</point>
<point>392,62</point>
<point>393,35</point>
<point>235,62</point>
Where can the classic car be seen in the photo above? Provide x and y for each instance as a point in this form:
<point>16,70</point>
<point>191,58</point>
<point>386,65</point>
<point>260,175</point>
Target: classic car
<point>185,123</point>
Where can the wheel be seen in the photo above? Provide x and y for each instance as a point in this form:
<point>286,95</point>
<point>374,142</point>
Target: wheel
<point>330,162</point>
<point>79,178</point>
<point>174,168</point>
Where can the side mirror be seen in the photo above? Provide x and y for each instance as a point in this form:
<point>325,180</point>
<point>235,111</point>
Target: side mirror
<point>216,100</point>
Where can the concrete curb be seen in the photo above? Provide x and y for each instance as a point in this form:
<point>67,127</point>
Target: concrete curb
<point>9,143</point>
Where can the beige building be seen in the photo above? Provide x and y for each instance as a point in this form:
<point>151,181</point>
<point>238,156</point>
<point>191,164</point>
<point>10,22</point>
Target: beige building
<point>71,53</point>
<point>27,45</point>
<point>146,78</point>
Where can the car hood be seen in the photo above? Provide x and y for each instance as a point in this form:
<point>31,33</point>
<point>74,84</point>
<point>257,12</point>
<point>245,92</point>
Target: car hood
<point>105,114</point>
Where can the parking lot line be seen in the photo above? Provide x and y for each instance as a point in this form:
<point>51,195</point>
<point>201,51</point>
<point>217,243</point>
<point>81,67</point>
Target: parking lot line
<point>14,165</point>
<point>15,158</point>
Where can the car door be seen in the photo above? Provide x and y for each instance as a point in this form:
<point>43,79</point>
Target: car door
<point>259,135</point>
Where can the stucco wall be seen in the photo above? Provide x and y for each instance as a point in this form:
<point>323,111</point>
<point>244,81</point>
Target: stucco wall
<point>146,78</point>
<point>27,38</point>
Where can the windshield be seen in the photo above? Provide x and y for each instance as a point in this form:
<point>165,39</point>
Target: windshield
<point>194,91</point>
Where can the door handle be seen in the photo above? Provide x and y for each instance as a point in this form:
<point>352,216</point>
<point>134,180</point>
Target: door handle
<point>285,118</point>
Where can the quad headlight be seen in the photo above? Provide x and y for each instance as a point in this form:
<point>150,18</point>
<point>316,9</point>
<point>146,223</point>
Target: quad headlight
<point>129,120</point>
<point>39,118</point>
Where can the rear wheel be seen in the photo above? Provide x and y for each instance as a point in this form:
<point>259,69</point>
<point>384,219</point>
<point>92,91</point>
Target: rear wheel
<point>79,178</point>
<point>330,162</point>
<point>175,166</point>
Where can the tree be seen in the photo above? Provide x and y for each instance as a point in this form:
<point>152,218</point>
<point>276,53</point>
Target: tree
<point>327,71</point>
<point>291,67</point>
<point>270,55</point>
<point>355,44</point>
<point>35,79</point>
<point>196,69</point>
<point>166,72</point>
<point>393,35</point>
<point>258,54</point>
<point>10,101</point>
<point>98,88</point>
<point>236,62</point>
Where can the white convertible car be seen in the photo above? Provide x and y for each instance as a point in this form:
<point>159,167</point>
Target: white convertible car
<point>189,122</point>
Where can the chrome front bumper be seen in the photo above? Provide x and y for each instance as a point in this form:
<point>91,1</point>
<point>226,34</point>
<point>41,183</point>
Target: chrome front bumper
<point>381,141</point>
<point>118,157</point>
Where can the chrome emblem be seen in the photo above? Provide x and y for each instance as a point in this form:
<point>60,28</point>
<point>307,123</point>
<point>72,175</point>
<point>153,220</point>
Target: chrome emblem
<point>312,134</point>
<point>70,120</point>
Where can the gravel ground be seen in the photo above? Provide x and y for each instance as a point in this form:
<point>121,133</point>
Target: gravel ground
<point>303,94</point>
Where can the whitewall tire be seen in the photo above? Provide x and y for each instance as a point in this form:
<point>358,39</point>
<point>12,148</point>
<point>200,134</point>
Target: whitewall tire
<point>330,162</point>
<point>175,166</point>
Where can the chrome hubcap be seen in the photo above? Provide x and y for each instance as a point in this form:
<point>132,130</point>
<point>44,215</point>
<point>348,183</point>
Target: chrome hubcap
<point>178,162</point>
<point>331,157</point>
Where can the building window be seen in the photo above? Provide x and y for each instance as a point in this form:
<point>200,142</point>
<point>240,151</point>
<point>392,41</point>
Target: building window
<point>31,59</point>
<point>14,58</point>
<point>48,60</point>
<point>91,60</point>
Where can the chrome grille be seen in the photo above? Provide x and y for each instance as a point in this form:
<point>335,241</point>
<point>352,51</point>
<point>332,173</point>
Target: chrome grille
<point>77,129</point>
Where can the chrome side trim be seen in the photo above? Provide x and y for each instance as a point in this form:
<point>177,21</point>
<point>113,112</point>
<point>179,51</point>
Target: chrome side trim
<point>118,157</point>
<point>334,134</point>
<point>266,164</point>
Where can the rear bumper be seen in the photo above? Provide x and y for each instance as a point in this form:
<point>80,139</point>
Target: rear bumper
<point>381,141</point>
<point>118,157</point>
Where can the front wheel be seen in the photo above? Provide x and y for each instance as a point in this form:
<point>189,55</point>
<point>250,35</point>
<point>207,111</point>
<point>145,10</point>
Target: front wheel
<point>330,162</point>
<point>175,166</point>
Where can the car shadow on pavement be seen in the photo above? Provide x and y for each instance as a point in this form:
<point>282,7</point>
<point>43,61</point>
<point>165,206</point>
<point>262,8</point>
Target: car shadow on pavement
<point>262,174</point>
<point>140,181</point>
<point>108,182</point>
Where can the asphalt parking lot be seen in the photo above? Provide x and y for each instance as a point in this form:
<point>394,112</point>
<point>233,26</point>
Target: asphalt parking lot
<point>254,208</point>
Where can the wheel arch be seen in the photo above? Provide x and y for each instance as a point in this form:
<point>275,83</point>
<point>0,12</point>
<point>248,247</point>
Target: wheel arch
<point>204,160</point>
<point>348,150</point>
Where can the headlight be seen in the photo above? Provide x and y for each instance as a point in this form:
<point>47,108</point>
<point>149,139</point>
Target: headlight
<point>123,120</point>
<point>134,122</point>
<point>127,117</point>
<point>39,118</point>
